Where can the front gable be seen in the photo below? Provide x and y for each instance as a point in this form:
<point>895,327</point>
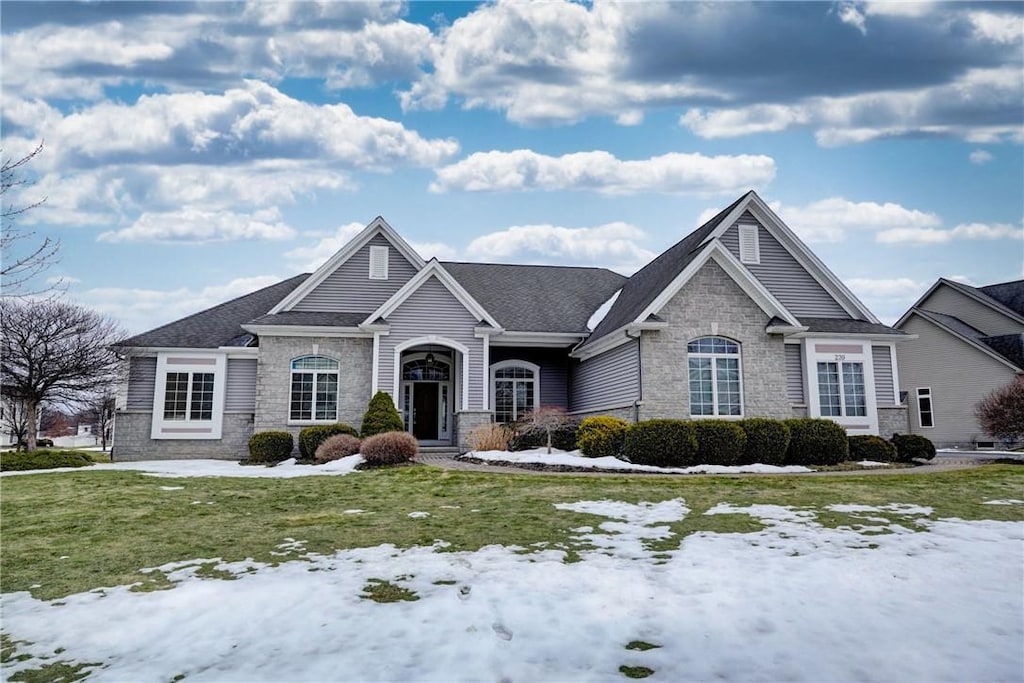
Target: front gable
<point>361,276</point>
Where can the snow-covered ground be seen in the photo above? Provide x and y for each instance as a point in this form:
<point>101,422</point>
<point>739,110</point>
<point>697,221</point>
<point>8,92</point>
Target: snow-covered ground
<point>575,459</point>
<point>902,597</point>
<point>212,468</point>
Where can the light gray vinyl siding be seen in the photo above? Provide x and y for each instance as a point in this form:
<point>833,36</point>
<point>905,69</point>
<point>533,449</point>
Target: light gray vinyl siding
<point>958,374</point>
<point>240,390</point>
<point>141,383</point>
<point>554,371</point>
<point>783,276</point>
<point>609,379</point>
<point>795,374</point>
<point>350,289</point>
<point>947,300</point>
<point>433,310</point>
<point>885,389</point>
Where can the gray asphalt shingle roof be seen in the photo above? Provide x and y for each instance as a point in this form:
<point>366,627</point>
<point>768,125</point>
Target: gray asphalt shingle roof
<point>1009,346</point>
<point>219,325</point>
<point>316,318</point>
<point>1009,294</point>
<point>537,298</point>
<point>843,326</point>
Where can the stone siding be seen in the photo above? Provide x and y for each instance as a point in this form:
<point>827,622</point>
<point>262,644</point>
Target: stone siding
<point>132,440</point>
<point>274,376</point>
<point>892,420</point>
<point>465,422</point>
<point>712,299</point>
<point>627,414</point>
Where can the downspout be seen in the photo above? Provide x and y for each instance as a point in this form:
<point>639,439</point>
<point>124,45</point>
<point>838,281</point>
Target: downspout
<point>640,375</point>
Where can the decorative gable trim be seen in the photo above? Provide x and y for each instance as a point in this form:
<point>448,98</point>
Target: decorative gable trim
<point>730,264</point>
<point>794,245</point>
<point>378,226</point>
<point>434,269</point>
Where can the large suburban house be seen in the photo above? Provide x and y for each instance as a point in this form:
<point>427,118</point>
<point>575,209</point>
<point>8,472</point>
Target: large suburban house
<point>738,319</point>
<point>969,341</point>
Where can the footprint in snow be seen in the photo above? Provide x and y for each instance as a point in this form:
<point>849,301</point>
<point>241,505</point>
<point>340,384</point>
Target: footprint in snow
<point>502,632</point>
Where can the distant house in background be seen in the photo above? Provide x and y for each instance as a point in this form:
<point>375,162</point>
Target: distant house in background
<point>969,341</point>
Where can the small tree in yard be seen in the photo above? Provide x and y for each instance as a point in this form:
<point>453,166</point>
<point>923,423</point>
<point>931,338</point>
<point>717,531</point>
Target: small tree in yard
<point>54,351</point>
<point>1001,413</point>
<point>547,420</point>
<point>381,416</point>
<point>100,412</point>
<point>15,419</point>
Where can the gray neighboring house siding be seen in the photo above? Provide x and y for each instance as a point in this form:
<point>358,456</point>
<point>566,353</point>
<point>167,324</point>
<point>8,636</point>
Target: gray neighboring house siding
<point>967,375</point>
<point>712,297</point>
<point>947,300</point>
<point>433,310</point>
<point>554,371</point>
<point>783,276</point>
<point>607,380</point>
<point>349,289</point>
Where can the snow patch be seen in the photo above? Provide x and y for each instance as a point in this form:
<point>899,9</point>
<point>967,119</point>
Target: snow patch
<point>1007,501</point>
<point>419,515</point>
<point>214,468</point>
<point>873,463</point>
<point>575,459</point>
<point>602,311</point>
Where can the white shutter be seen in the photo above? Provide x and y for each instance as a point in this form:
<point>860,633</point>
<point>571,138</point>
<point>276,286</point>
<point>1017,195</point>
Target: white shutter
<point>378,263</point>
<point>750,248</point>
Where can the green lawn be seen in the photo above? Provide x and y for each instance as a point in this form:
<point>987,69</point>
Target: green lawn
<point>71,532</point>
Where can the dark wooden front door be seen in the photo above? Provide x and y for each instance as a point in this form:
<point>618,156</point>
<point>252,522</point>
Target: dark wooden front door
<point>424,416</point>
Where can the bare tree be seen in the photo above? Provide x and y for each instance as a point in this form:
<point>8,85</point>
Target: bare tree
<point>14,418</point>
<point>1001,413</point>
<point>24,254</point>
<point>55,351</point>
<point>547,420</point>
<point>100,413</point>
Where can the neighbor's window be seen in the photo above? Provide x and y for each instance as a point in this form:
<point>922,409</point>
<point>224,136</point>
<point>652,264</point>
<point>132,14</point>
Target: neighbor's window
<point>925,417</point>
<point>841,389</point>
<point>515,390</point>
<point>188,395</point>
<point>715,380</point>
<point>314,389</point>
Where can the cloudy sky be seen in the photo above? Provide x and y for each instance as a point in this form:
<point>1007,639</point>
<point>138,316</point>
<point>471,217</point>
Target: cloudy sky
<point>195,152</point>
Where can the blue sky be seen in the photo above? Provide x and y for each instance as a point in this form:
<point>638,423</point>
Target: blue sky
<point>195,152</point>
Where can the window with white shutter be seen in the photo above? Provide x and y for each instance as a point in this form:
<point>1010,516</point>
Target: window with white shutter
<point>750,248</point>
<point>378,263</point>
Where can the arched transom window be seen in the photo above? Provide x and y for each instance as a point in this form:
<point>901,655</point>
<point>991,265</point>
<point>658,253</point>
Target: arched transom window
<point>314,394</point>
<point>516,389</point>
<point>426,369</point>
<point>715,379</point>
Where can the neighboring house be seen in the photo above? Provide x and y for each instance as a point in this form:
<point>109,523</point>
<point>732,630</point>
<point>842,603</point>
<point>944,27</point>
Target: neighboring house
<point>13,418</point>
<point>969,341</point>
<point>738,319</point>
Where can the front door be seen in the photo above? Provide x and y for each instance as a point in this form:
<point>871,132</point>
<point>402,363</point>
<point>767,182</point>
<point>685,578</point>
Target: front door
<point>424,411</point>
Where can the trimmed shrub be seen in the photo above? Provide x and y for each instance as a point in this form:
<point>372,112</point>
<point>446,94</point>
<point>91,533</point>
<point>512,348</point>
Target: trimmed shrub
<point>490,437</point>
<point>870,447</point>
<point>270,447</point>
<point>816,441</point>
<point>43,460</point>
<point>527,436</point>
<point>767,441</point>
<point>336,447</point>
<point>602,436</point>
<point>310,438</point>
<point>719,442</point>
<point>389,448</point>
<point>664,443</point>
<point>381,416</point>
<point>911,446</point>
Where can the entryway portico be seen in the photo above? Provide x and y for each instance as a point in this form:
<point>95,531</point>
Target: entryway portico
<point>430,387</point>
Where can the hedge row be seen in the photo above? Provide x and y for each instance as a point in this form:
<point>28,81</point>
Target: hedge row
<point>43,460</point>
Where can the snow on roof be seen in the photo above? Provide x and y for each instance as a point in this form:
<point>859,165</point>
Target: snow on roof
<point>602,311</point>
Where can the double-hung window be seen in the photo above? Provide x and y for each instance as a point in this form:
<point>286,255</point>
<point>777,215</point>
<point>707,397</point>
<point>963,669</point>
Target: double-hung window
<point>314,390</point>
<point>841,389</point>
<point>716,382</point>
<point>925,414</point>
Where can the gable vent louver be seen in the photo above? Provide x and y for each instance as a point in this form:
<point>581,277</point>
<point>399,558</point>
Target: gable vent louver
<point>378,263</point>
<point>750,248</point>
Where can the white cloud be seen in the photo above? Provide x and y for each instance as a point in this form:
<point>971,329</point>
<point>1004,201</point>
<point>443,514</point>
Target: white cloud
<point>901,287</point>
<point>144,309</point>
<point>613,245</point>
<point>308,259</point>
<point>438,250</point>
<point>999,28</point>
<point>851,14</point>
<point>980,156</point>
<point>600,171</point>
<point>964,231</point>
<point>194,226</point>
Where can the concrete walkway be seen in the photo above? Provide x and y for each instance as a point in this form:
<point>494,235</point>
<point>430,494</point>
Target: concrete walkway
<point>941,463</point>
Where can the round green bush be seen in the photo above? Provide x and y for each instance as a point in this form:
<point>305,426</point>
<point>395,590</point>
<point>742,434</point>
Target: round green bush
<point>310,438</point>
<point>336,447</point>
<point>602,436</point>
<point>381,416</point>
<point>910,447</point>
<point>389,448</point>
<point>767,441</point>
<point>663,443</point>
<point>43,460</point>
<point>270,447</point>
<point>870,447</point>
<point>816,441</point>
<point>719,442</point>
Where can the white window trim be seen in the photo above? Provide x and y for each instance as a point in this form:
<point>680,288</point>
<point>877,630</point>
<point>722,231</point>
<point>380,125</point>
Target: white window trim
<point>714,380</point>
<point>292,372</point>
<point>514,363</point>
<point>376,252</point>
<point>855,351</point>
<point>931,401</point>
<point>188,428</point>
<point>751,233</point>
